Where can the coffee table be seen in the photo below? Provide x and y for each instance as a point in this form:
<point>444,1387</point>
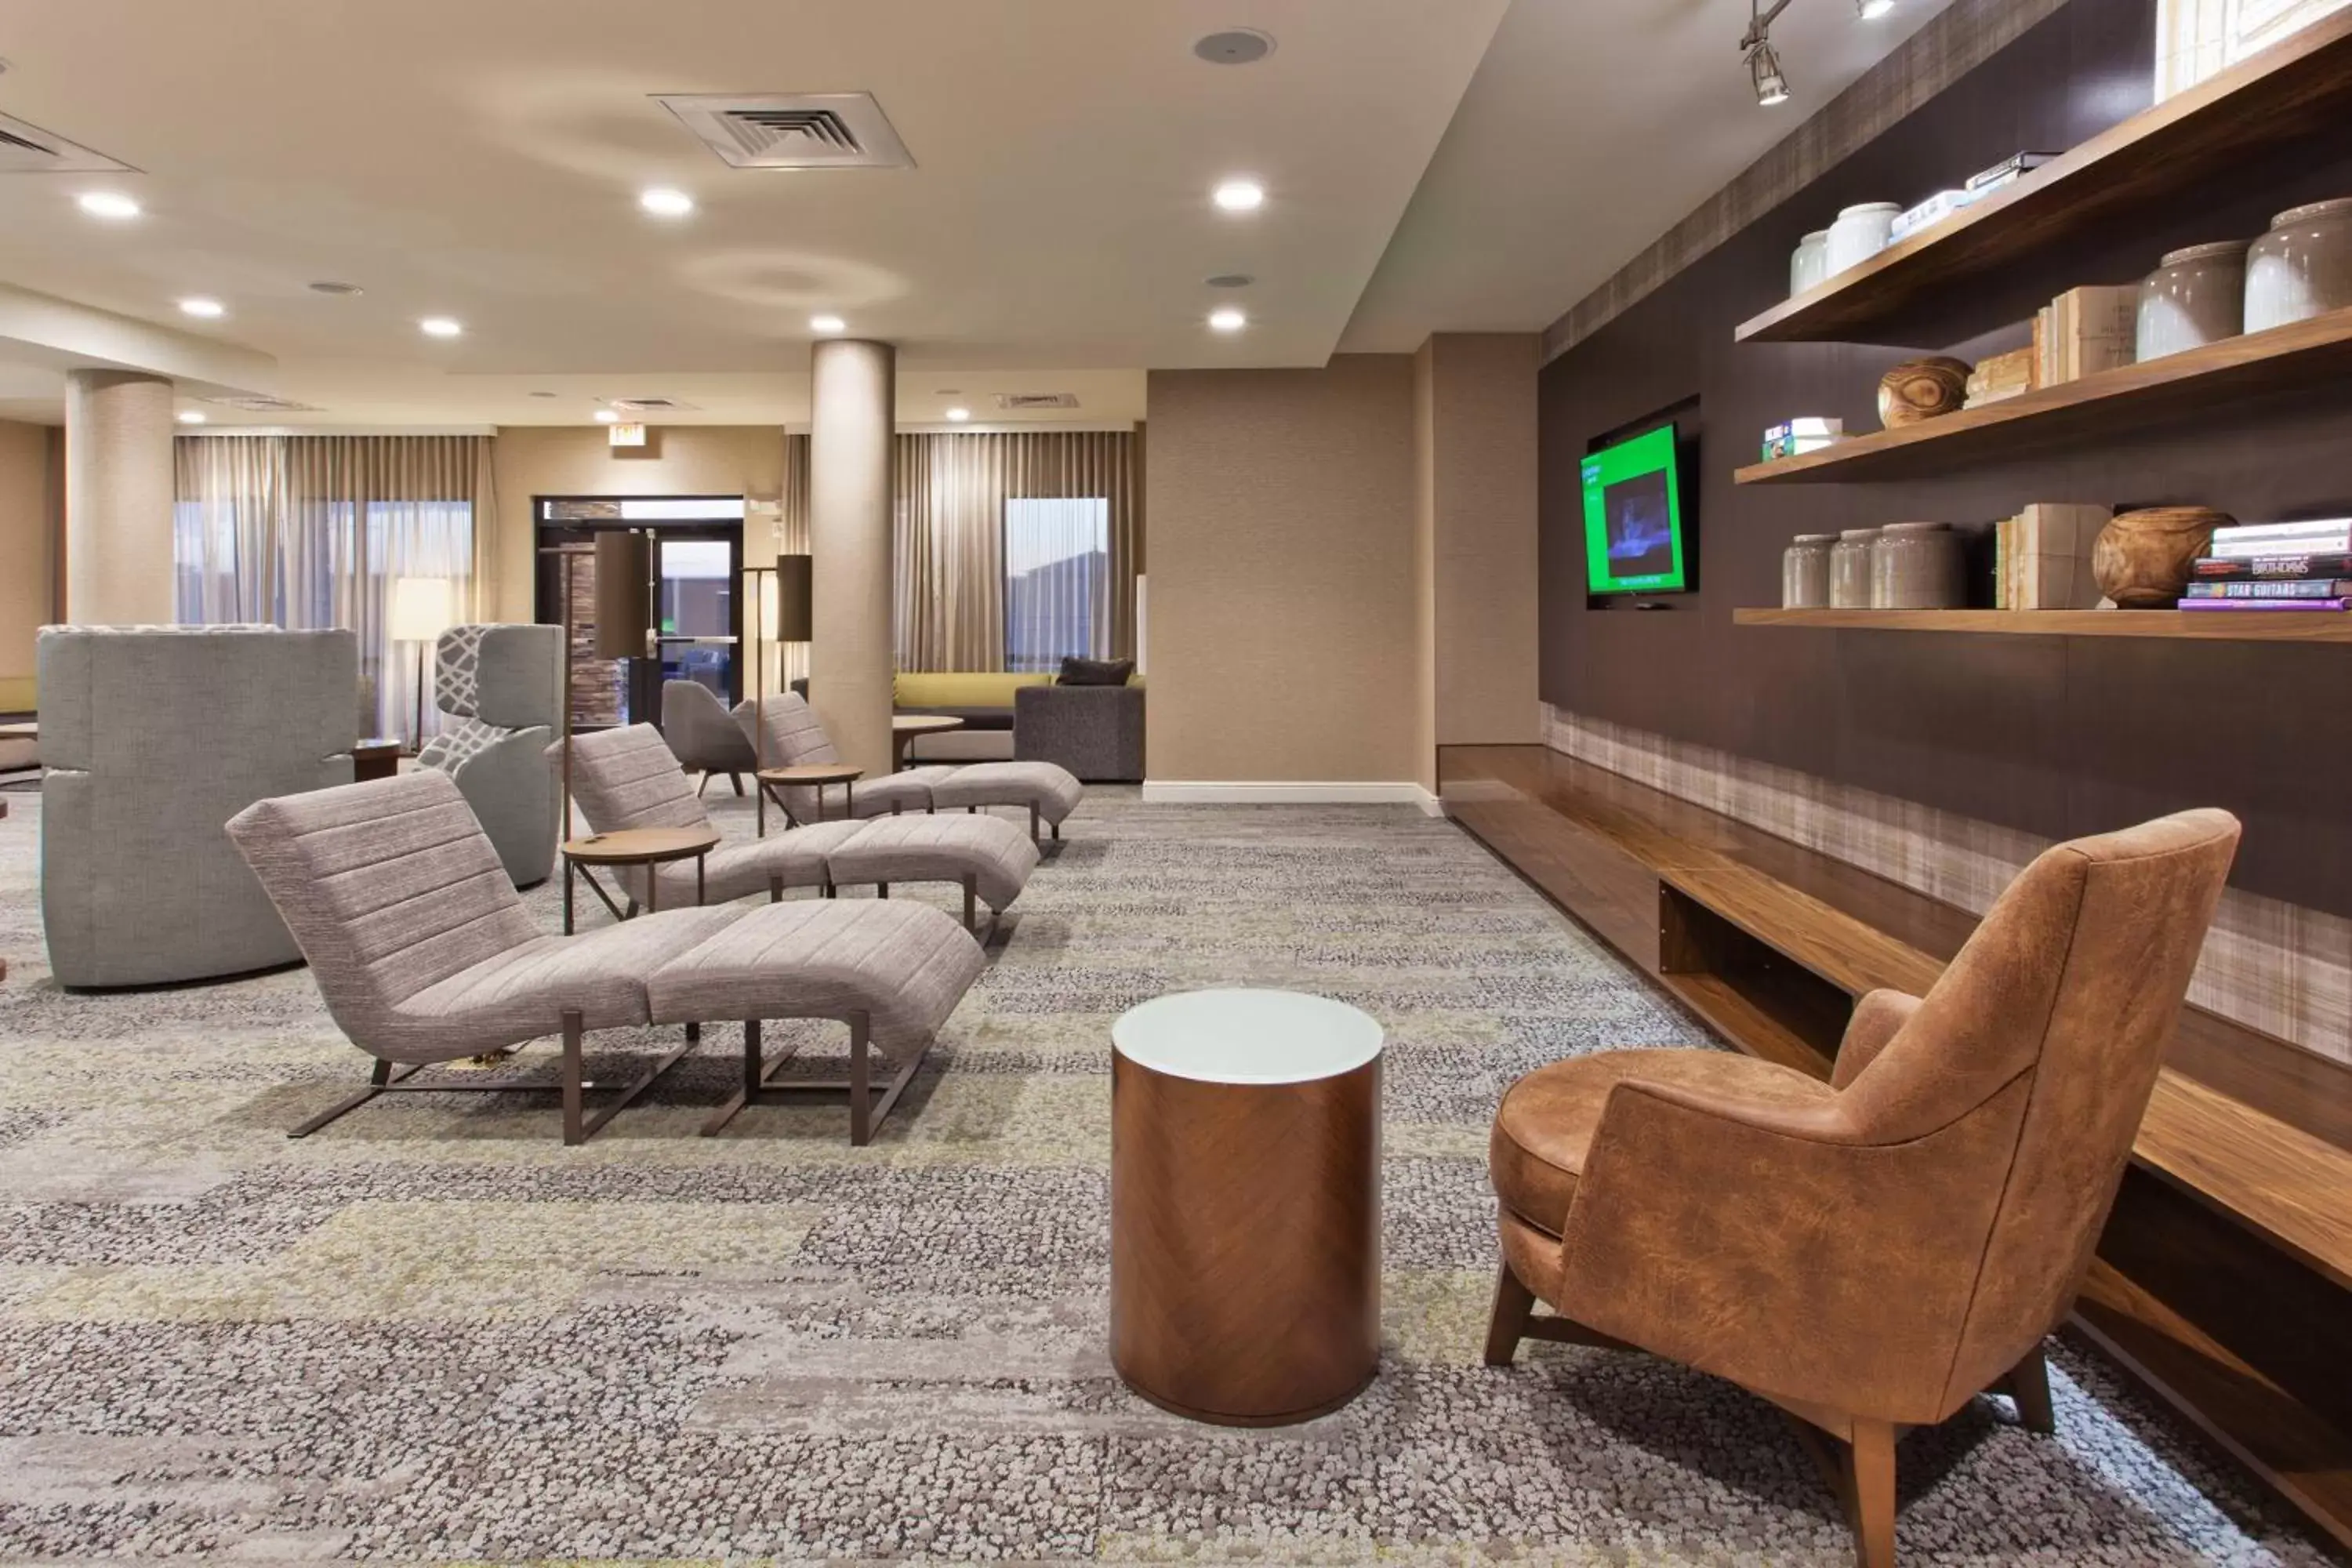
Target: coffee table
<point>908,727</point>
<point>816,775</point>
<point>1246,1203</point>
<point>646,847</point>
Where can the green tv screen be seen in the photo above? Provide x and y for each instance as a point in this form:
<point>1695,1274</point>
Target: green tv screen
<point>1633,517</point>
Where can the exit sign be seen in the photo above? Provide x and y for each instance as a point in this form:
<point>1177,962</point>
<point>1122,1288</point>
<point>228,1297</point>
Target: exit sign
<point>626,435</point>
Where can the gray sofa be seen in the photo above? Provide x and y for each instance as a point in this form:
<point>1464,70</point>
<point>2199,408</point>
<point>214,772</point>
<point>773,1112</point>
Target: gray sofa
<point>503,686</point>
<point>1095,731</point>
<point>155,737</point>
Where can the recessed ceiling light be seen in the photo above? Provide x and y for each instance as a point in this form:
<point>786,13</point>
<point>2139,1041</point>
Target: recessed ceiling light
<point>108,204</point>
<point>190,416</point>
<point>1231,280</point>
<point>542,394</point>
<point>1226,319</point>
<point>441,326</point>
<point>606,416</point>
<point>663,202</point>
<point>827,324</point>
<point>1239,196</point>
<point>1234,46</point>
<point>340,290</point>
<point>958,415</point>
<point>207,309</point>
<point>1871,10</point>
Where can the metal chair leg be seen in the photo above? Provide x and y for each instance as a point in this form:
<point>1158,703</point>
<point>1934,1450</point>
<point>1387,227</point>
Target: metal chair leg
<point>861,1107</point>
<point>572,1130</point>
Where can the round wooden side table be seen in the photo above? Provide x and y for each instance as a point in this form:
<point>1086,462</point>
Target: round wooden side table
<point>814,775</point>
<point>1245,1204</point>
<point>908,727</point>
<point>647,847</point>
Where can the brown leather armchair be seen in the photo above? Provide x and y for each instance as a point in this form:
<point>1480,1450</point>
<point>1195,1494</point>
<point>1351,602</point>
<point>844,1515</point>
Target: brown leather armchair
<point>1870,1253</point>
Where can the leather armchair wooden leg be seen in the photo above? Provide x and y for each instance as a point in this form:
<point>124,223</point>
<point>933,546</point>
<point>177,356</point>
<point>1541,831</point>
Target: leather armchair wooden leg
<point>2028,1382</point>
<point>1870,1493</point>
<point>1509,1321</point>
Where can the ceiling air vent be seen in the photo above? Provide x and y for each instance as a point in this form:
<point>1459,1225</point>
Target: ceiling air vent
<point>653,405</point>
<point>259,402</point>
<point>29,150</point>
<point>1037,400</point>
<point>792,130</point>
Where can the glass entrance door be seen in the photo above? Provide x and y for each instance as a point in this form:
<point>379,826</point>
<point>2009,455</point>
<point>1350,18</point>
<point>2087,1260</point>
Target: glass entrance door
<point>697,548</point>
<point>696,632</point>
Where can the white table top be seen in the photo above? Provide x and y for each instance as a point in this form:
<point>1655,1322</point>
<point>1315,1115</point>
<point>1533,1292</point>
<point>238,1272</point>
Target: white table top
<point>1246,1037</point>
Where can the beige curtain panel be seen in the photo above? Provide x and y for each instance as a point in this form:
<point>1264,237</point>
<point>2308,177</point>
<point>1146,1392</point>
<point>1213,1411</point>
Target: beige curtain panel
<point>951,492</point>
<point>312,531</point>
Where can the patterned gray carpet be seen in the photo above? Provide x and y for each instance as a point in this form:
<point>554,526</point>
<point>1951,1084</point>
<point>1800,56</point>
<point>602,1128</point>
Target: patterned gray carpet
<point>432,1332</point>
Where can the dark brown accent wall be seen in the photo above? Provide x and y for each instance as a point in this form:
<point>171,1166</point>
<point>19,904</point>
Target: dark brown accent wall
<point>2050,735</point>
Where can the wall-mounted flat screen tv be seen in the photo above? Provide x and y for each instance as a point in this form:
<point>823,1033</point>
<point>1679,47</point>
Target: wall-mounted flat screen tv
<point>1633,536</point>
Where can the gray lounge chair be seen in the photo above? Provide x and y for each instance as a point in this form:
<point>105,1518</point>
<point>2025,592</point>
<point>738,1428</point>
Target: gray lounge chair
<point>703,734</point>
<point>425,954</point>
<point>795,736</point>
<point>629,778</point>
<point>500,686</point>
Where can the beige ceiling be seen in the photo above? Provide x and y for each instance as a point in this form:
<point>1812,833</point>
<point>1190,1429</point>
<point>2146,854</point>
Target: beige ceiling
<point>1593,127</point>
<point>481,158</point>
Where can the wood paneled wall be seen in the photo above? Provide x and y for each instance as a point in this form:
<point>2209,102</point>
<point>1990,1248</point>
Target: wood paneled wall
<point>2049,735</point>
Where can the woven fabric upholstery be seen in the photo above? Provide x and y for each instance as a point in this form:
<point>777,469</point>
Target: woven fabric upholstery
<point>1093,731</point>
<point>630,778</point>
<point>700,731</point>
<point>419,944</point>
<point>509,675</point>
<point>1049,788</point>
<point>905,965</point>
<point>995,854</point>
<point>794,737</point>
<point>501,684</point>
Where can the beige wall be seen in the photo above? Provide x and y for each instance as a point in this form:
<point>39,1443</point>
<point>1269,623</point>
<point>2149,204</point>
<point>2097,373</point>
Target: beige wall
<point>684,460</point>
<point>1282,590</point>
<point>1477,403</point>
<point>27,565</point>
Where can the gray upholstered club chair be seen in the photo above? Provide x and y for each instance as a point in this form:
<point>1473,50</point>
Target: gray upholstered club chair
<point>702,735</point>
<point>629,778</point>
<point>1095,732</point>
<point>794,735</point>
<point>424,953</point>
<point>155,737</point>
<point>503,685</point>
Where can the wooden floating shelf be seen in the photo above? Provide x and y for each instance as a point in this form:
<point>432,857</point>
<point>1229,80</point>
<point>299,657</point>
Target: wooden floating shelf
<point>2201,626</point>
<point>2179,387</point>
<point>2297,87</point>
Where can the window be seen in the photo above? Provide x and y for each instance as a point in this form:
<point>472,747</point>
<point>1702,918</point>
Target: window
<point>1056,582</point>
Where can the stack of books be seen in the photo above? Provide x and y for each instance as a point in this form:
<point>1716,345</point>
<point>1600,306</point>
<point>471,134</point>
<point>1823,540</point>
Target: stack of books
<point>2042,557</point>
<point>2086,330</point>
<point>2002,375</point>
<point>2276,566</point>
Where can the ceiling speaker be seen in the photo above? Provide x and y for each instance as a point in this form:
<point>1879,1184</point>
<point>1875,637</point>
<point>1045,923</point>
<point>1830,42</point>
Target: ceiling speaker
<point>623,594</point>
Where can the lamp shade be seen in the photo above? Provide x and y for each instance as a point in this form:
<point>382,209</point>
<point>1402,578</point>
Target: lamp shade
<point>420,609</point>
<point>796,599</point>
<point>623,594</point>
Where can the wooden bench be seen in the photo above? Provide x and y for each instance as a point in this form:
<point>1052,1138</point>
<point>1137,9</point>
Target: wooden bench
<point>2224,1279</point>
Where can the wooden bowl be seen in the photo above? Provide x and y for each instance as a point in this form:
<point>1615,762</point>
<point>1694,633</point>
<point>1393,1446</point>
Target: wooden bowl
<point>2142,559</point>
<point>1922,389</point>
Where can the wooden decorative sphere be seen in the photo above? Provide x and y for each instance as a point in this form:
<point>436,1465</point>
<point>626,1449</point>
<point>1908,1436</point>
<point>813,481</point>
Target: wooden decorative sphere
<point>1922,389</point>
<point>2143,559</point>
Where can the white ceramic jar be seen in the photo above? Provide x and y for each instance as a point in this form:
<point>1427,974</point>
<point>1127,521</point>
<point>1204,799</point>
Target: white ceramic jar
<point>1808,264</point>
<point>2194,296</point>
<point>2301,268</point>
<point>1859,234</point>
<point>1917,566</point>
<point>1850,569</point>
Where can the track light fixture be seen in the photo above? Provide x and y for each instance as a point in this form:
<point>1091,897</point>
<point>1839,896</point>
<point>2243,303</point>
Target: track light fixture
<point>1764,72</point>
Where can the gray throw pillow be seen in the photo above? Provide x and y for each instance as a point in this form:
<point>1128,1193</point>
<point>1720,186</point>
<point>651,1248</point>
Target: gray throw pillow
<point>1097,671</point>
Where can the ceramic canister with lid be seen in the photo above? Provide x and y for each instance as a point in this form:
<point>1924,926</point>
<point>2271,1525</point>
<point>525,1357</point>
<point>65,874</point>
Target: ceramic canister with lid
<point>1916,566</point>
<point>1808,264</point>
<point>1805,572</point>
<point>1850,569</point>
<point>1859,234</point>
<point>2301,268</point>
<point>2194,296</point>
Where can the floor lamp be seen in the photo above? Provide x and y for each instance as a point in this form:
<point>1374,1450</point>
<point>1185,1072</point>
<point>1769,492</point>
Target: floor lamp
<point>787,615</point>
<point>420,613</point>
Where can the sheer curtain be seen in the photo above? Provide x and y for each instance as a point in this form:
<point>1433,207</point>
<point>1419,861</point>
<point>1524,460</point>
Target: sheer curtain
<point>310,532</point>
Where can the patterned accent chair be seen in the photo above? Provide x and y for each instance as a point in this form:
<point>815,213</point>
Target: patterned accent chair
<point>503,685</point>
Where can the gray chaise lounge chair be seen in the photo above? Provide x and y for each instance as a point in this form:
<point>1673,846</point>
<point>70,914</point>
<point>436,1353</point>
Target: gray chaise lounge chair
<point>425,954</point>
<point>794,736</point>
<point>703,735</point>
<point>629,778</point>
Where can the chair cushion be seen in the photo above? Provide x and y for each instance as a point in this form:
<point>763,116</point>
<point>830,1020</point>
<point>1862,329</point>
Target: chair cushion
<point>904,965</point>
<point>995,854</point>
<point>1547,1118</point>
<point>911,790</point>
<point>523,992</point>
<point>1055,790</point>
<point>743,867</point>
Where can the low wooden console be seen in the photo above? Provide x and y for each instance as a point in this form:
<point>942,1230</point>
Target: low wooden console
<point>2224,1277</point>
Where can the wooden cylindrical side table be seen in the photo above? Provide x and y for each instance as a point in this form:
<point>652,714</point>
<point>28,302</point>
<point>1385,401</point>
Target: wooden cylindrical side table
<point>1245,1204</point>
